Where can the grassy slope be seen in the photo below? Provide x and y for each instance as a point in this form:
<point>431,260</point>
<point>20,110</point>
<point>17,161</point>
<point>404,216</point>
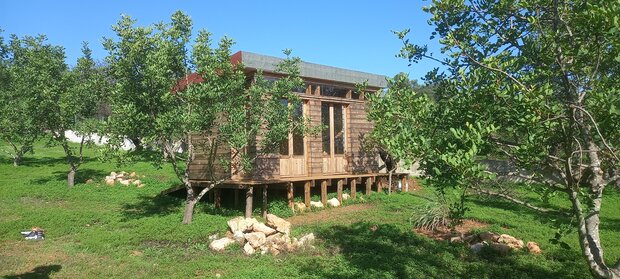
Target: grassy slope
<point>94,230</point>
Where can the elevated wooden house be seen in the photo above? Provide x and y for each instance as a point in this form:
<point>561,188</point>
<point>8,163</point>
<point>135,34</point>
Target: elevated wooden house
<point>335,157</point>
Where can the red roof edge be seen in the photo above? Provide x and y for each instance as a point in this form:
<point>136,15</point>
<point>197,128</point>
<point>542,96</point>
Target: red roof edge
<point>236,58</point>
<point>183,83</point>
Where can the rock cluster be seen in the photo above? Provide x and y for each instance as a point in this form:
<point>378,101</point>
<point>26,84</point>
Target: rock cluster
<point>333,202</point>
<point>123,178</point>
<point>502,243</point>
<point>256,237</point>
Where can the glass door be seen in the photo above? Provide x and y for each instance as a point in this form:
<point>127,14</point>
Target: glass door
<point>333,120</point>
<point>293,150</point>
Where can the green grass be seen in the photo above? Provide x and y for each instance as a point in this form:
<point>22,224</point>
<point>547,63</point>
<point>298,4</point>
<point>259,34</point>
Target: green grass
<point>98,231</point>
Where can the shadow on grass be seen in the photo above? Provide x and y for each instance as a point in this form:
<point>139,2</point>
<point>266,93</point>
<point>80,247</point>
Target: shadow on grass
<point>49,161</point>
<point>148,206</point>
<point>385,251</point>
<point>545,218</point>
<point>81,176</point>
<point>163,204</point>
<point>43,271</point>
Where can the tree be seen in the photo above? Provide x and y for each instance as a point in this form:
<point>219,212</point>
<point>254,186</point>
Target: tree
<point>30,71</point>
<point>150,64</point>
<point>76,108</point>
<point>533,82</point>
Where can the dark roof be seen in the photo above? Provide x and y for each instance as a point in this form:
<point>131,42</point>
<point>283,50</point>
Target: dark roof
<point>309,70</point>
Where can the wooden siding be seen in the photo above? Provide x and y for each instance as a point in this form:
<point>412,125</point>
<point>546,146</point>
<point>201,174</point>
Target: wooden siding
<point>360,160</point>
<point>268,167</point>
<point>211,160</point>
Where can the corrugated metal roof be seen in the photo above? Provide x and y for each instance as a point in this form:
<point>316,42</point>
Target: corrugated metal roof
<point>310,70</point>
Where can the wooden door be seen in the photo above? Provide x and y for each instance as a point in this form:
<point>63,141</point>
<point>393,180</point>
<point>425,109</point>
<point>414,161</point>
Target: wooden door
<point>293,152</point>
<point>334,137</point>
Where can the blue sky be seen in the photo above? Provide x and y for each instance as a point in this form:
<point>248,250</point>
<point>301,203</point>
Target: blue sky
<point>348,34</point>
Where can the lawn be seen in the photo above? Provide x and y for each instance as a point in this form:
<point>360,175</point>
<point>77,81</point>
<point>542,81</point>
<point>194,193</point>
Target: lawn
<point>100,231</point>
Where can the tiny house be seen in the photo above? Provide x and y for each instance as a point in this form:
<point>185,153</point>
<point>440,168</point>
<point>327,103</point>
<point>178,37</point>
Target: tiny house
<point>333,158</point>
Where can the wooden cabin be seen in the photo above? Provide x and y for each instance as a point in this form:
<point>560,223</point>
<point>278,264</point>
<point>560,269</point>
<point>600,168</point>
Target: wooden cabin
<point>333,158</point>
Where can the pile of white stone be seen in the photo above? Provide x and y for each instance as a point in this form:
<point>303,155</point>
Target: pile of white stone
<point>502,243</point>
<point>256,237</point>
<point>333,202</point>
<point>123,178</point>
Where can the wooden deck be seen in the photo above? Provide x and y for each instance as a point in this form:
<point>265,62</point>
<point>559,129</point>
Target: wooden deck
<point>378,181</point>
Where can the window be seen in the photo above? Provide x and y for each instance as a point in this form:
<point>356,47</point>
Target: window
<point>298,136</point>
<point>333,133</point>
<point>338,129</point>
<point>326,128</point>
<point>333,91</point>
<point>295,140</point>
<point>329,90</point>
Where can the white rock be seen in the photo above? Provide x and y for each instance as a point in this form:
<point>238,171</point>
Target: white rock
<point>278,223</point>
<point>511,241</point>
<point>317,204</point>
<point>276,239</point>
<point>333,202</point>
<point>488,236</point>
<point>274,251</point>
<point>213,237</point>
<point>533,248</point>
<point>241,224</point>
<point>300,206</point>
<point>306,240</point>
<point>220,244</point>
<point>256,239</point>
<point>110,182</point>
<point>136,182</point>
<point>239,237</point>
<point>113,174</point>
<point>248,249</point>
<point>124,182</point>
<point>260,227</point>
<point>345,196</point>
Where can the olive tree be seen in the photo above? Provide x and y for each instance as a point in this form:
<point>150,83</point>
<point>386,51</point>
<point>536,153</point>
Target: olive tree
<point>31,72</point>
<point>534,82</point>
<point>166,94</point>
<point>76,108</point>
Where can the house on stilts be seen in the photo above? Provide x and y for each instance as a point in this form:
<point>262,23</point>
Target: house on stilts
<point>330,161</point>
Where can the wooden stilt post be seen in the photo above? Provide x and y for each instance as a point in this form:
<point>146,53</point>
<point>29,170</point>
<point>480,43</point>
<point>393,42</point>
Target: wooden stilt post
<point>379,182</point>
<point>307,186</point>
<point>218,197</point>
<point>368,185</point>
<point>290,195</point>
<point>211,199</point>
<point>236,198</point>
<point>264,205</point>
<point>403,183</point>
<point>248,202</point>
<point>324,192</point>
<point>339,189</point>
<point>353,188</point>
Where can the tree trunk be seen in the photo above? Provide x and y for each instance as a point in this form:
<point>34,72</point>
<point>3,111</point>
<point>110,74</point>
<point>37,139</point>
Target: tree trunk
<point>17,160</point>
<point>390,182</point>
<point>189,210</point>
<point>137,144</point>
<point>71,177</point>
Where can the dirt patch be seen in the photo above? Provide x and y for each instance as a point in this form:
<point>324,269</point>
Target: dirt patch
<point>341,215</point>
<point>445,233</point>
